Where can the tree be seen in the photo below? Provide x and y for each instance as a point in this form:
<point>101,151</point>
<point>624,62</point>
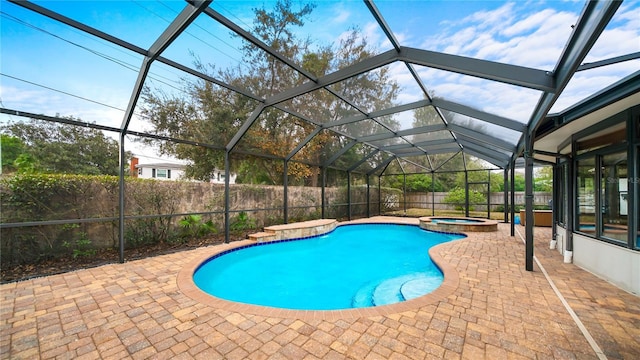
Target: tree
<point>212,115</point>
<point>441,163</point>
<point>497,180</point>
<point>50,147</point>
<point>11,148</point>
<point>543,179</point>
<point>414,183</point>
<point>457,197</point>
<point>208,115</point>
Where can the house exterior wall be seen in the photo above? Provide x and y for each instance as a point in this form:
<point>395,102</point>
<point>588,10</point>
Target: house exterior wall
<point>148,172</point>
<point>218,177</point>
<point>561,238</point>
<point>606,236</point>
<point>616,264</point>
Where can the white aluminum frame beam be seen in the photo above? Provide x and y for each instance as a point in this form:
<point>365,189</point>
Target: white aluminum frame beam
<point>499,163</point>
<point>175,28</point>
<point>382,165</point>
<point>592,22</point>
<point>303,143</point>
<point>488,152</point>
<point>485,69</point>
<point>340,152</point>
<point>131,47</point>
<point>421,144</point>
<point>490,140</point>
<point>363,160</point>
<point>479,114</point>
<point>255,41</point>
<point>406,132</point>
<point>611,61</point>
<point>482,154</point>
<point>379,113</point>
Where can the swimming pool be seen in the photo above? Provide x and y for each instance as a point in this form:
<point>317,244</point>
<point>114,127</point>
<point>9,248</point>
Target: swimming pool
<point>354,266</point>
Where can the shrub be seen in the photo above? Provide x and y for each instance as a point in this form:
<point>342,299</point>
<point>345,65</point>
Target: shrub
<point>30,197</point>
<point>242,222</point>
<point>80,247</point>
<point>457,198</point>
<point>192,227</point>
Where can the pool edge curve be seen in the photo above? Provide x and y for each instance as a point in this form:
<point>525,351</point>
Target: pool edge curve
<point>187,286</point>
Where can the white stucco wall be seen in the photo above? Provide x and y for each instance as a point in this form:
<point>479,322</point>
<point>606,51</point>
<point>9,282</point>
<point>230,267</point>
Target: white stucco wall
<point>561,238</point>
<point>616,264</point>
<point>178,174</point>
<point>146,173</point>
<point>218,177</point>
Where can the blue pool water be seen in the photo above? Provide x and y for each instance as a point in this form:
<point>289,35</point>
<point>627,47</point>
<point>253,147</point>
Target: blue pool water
<point>353,266</point>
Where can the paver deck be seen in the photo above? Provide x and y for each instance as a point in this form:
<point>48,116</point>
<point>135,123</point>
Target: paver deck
<point>498,311</point>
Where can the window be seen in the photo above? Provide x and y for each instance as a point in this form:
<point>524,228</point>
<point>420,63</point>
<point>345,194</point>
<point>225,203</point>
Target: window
<point>606,184</point>
<point>559,207</point>
<point>585,202</point>
<point>162,174</point>
<point>634,182</point>
<point>614,199</point>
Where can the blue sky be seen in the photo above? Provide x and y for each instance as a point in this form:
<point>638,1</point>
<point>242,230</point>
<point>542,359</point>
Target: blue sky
<point>47,67</point>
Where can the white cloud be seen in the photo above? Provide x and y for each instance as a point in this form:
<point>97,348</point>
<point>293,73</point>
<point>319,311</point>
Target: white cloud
<point>588,82</point>
<point>454,43</point>
<point>621,37</point>
<point>56,104</point>
<point>489,18</point>
<point>629,12</point>
<point>513,34</point>
<point>374,35</point>
<point>529,23</point>
<point>340,14</point>
<point>507,34</point>
<point>399,71</point>
<point>15,97</point>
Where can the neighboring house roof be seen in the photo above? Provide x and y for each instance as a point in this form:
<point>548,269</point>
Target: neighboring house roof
<point>161,165</point>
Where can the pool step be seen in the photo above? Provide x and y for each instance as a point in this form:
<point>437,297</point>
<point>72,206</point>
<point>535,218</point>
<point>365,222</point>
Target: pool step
<point>388,291</point>
<point>419,286</point>
<point>364,296</point>
<point>391,291</point>
<point>262,236</point>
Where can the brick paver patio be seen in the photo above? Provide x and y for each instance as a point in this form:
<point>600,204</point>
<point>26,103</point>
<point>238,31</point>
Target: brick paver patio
<point>498,311</point>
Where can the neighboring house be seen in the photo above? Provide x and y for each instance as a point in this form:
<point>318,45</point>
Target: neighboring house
<point>218,177</point>
<point>170,171</point>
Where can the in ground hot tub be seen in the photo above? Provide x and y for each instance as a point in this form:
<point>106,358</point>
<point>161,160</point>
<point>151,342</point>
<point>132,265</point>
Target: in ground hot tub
<point>457,224</point>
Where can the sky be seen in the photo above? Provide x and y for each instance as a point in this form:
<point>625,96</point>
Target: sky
<point>49,68</point>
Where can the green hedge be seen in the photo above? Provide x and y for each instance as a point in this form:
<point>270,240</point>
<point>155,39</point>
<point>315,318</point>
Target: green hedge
<point>43,197</point>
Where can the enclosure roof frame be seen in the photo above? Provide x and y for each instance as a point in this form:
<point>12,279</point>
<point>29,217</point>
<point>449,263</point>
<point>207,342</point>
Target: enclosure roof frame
<point>595,16</point>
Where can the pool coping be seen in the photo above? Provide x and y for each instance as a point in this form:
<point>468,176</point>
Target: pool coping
<point>188,287</point>
<point>478,225</point>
